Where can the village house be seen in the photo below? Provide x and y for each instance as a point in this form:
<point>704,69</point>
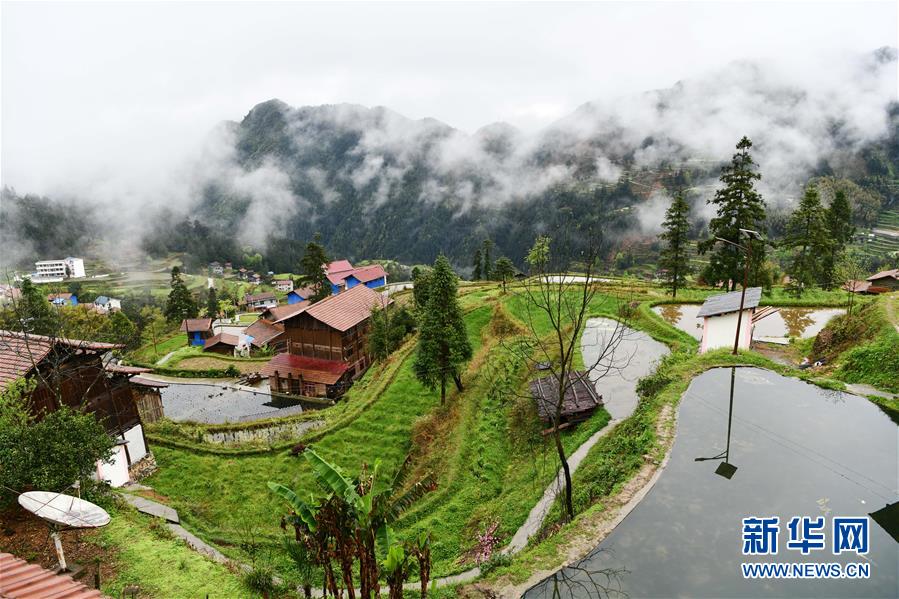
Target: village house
<point>107,304</point>
<point>9,294</point>
<point>227,344</point>
<point>216,268</point>
<point>283,284</point>
<point>343,276</point>
<point>62,299</point>
<point>720,314</point>
<point>227,266</point>
<point>242,273</point>
<point>260,301</point>
<point>198,330</point>
<point>71,373</point>
<point>887,279</point>
<point>327,345</point>
<point>300,295</point>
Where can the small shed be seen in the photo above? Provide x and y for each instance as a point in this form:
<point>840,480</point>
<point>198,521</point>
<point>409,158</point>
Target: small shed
<point>720,314</point>
<point>198,330</point>
<point>580,401</point>
<point>222,343</point>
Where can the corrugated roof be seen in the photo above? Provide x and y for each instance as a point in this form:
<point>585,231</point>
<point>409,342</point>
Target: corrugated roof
<point>262,331</point>
<point>20,352</point>
<point>730,302</point>
<point>339,266</point>
<point>303,292</point>
<point>282,313</point>
<point>369,273</point>
<point>345,310</point>
<point>580,396</point>
<point>21,580</point>
<point>258,297</point>
<point>121,368</point>
<point>194,325</point>
<point>101,299</point>
<point>311,369</point>
<point>885,274</point>
<point>223,338</point>
<point>139,380</point>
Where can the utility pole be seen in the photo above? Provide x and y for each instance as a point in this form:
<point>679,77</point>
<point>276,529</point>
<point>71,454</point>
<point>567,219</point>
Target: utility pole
<point>748,249</point>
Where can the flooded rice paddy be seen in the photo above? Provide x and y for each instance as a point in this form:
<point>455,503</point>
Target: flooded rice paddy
<point>779,447</point>
<point>786,322</point>
<point>218,404</point>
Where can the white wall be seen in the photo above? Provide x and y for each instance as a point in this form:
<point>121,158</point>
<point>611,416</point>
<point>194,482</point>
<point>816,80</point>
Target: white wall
<point>718,331</point>
<point>136,447</point>
<point>115,471</point>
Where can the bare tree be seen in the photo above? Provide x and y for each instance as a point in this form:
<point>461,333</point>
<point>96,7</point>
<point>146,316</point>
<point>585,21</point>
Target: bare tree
<point>558,302</point>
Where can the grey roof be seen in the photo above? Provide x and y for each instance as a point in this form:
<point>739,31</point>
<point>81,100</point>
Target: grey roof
<point>730,302</point>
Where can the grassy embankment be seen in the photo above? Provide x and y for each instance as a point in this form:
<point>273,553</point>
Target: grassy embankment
<point>146,554</point>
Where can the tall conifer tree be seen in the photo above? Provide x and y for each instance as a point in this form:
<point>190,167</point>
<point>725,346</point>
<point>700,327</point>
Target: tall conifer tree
<point>807,239</point>
<point>443,344</point>
<point>739,206</point>
<point>838,220</point>
<point>675,258</point>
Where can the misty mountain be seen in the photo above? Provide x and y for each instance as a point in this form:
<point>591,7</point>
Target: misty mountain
<point>375,183</point>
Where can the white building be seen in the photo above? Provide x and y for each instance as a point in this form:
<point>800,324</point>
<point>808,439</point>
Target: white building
<point>56,270</point>
<point>107,304</point>
<point>720,314</point>
<point>284,284</point>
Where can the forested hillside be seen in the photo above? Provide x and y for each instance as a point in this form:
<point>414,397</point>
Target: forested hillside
<point>377,184</point>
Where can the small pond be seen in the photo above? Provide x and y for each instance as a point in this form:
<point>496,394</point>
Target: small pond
<point>218,404</point>
<point>797,451</point>
<point>786,322</point>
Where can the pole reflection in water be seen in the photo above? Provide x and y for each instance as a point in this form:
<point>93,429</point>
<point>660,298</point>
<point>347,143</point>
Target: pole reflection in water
<point>726,468</point>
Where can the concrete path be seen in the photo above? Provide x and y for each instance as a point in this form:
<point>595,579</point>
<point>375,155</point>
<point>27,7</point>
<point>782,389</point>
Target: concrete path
<point>152,508</point>
<point>862,389</point>
<point>164,358</point>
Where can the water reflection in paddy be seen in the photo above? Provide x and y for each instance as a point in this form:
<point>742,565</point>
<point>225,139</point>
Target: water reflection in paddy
<point>797,451</point>
<point>786,322</point>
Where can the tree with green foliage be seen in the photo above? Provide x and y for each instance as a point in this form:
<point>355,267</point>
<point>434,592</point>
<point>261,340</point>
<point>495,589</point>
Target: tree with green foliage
<point>838,221</point>
<point>389,326</point>
<point>487,269</point>
<point>443,344</point>
<point>180,303</point>
<point>739,206</point>
<point>503,270</point>
<point>47,454</point>
<point>675,257</point>
<point>850,272</point>
<point>212,303</point>
<point>346,530</point>
<point>806,239</point>
<point>155,326</point>
<point>32,313</point>
<point>476,265</point>
<point>421,278</point>
<point>120,329</point>
<point>313,269</point>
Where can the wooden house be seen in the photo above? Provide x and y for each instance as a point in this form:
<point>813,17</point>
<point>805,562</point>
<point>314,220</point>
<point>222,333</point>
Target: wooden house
<point>71,373</point>
<point>327,345</point>
<point>198,330</point>
<point>888,280</point>
<point>283,284</point>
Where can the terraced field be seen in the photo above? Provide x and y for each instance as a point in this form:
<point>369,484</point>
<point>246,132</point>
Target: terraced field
<point>883,238</point>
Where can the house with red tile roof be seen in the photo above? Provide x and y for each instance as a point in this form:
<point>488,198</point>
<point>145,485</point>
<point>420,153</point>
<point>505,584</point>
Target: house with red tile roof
<point>343,276</point>
<point>327,345</point>
<point>21,580</point>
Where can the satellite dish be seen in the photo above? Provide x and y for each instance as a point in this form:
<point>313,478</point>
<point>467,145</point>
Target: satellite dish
<point>63,512</point>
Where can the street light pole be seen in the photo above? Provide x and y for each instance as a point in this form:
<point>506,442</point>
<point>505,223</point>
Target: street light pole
<point>748,249</point>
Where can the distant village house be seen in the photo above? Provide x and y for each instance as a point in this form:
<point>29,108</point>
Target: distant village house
<point>198,330</point>
<point>343,276</point>
<point>260,301</point>
<point>107,304</point>
<point>283,284</point>
<point>53,271</point>
<point>62,299</point>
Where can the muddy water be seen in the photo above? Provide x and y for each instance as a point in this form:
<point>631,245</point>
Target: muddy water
<point>786,322</point>
<point>789,449</point>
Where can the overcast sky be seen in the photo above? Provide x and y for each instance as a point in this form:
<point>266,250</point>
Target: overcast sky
<point>89,90</point>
